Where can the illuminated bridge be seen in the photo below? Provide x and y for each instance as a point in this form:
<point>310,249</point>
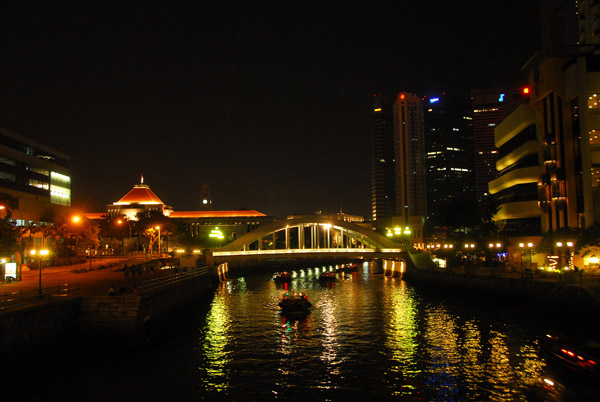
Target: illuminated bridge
<point>311,238</point>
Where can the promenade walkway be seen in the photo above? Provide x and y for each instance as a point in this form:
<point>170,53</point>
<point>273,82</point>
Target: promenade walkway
<point>105,273</point>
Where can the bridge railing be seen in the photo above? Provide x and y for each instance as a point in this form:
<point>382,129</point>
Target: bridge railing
<point>172,276</point>
<point>307,251</point>
<point>11,301</point>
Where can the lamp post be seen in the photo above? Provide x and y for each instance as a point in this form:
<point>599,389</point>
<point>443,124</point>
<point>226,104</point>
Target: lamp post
<point>568,245</point>
<point>40,253</point>
<point>120,222</point>
<point>525,247</point>
<point>158,228</point>
<point>492,246</point>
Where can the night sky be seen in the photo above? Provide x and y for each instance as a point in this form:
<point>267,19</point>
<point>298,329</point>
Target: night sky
<point>269,105</point>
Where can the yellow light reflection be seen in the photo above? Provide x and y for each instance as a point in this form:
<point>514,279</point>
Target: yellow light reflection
<point>402,338</point>
<point>215,344</point>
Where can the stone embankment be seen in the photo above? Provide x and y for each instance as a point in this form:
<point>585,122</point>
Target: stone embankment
<point>571,294</point>
<point>30,322</point>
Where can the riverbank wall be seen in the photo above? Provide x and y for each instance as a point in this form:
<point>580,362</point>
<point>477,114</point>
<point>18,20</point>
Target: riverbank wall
<point>40,329</point>
<point>562,297</point>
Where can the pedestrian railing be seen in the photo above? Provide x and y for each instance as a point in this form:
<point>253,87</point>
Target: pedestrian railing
<point>10,301</point>
<point>169,277</point>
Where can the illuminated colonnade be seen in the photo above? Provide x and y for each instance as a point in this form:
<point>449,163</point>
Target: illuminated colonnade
<point>310,233</point>
<point>309,236</point>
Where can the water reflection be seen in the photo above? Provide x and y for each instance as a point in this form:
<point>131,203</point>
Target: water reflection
<point>368,333</point>
<point>441,347</point>
<point>401,338</point>
<point>214,341</point>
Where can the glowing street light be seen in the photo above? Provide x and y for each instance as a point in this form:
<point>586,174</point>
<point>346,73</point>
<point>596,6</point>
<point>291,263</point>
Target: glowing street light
<point>158,228</point>
<point>41,253</point>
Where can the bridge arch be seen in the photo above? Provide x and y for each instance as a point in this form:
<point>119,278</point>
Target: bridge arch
<point>309,233</point>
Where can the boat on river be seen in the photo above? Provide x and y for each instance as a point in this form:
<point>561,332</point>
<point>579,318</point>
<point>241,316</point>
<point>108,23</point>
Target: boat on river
<point>582,359</point>
<point>282,277</point>
<point>327,276</point>
<point>347,268</point>
<point>294,303</point>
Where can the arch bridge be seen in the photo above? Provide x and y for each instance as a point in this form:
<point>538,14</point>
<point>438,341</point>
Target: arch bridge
<point>311,238</point>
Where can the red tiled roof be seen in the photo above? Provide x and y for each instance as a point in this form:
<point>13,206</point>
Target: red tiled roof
<point>95,215</point>
<point>139,194</point>
<point>244,213</point>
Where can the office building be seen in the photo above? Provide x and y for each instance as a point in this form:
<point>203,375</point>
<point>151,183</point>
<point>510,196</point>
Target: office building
<point>383,196</point>
<point>36,176</point>
<point>558,126</point>
<point>409,145</point>
<point>490,107</point>
<point>448,150</point>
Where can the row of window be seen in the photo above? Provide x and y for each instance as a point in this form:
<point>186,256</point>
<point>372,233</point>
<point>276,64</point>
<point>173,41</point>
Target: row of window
<point>31,150</point>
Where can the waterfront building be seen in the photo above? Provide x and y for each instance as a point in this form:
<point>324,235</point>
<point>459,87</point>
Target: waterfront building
<point>549,170</point>
<point>448,150</point>
<point>226,225</point>
<point>383,192</point>
<point>36,176</point>
<point>139,199</point>
<point>409,147</point>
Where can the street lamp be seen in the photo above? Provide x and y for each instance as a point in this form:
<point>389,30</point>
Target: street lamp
<point>493,246</point>
<point>525,247</point>
<point>568,245</point>
<point>120,222</point>
<point>158,228</point>
<point>41,253</point>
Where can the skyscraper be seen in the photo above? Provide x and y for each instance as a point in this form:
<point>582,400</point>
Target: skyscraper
<point>490,107</point>
<point>448,150</point>
<point>383,197</point>
<point>410,167</point>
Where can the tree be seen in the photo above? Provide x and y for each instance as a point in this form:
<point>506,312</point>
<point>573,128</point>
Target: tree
<point>9,204</point>
<point>548,243</point>
<point>9,236</point>
<point>146,223</point>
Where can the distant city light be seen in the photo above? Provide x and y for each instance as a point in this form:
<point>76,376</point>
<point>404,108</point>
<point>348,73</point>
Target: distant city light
<point>434,100</point>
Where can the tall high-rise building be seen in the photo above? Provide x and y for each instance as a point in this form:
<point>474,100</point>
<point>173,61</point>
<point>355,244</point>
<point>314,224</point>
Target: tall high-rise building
<point>448,150</point>
<point>409,146</point>
<point>383,196</point>
<point>490,107</point>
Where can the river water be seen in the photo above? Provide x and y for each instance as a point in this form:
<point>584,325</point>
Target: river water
<point>367,337</point>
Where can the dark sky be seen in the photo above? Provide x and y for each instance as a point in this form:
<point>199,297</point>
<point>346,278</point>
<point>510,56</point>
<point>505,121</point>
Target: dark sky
<point>268,105</point>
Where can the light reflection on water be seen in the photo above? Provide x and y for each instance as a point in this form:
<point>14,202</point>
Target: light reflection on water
<point>367,335</point>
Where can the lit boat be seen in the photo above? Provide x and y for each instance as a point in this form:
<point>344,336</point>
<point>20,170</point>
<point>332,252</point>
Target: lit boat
<point>347,268</point>
<point>294,303</point>
<point>282,277</point>
<point>327,276</point>
<point>581,359</point>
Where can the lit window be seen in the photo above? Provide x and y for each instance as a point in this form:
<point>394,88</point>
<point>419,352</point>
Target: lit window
<point>595,137</point>
<point>593,102</point>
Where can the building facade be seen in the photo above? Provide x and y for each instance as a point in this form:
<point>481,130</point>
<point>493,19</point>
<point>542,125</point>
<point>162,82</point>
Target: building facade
<point>36,176</point>
<point>490,107</point>
<point>204,225</point>
<point>448,150</point>
<point>550,166</point>
<point>409,148</point>
<point>383,191</point>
